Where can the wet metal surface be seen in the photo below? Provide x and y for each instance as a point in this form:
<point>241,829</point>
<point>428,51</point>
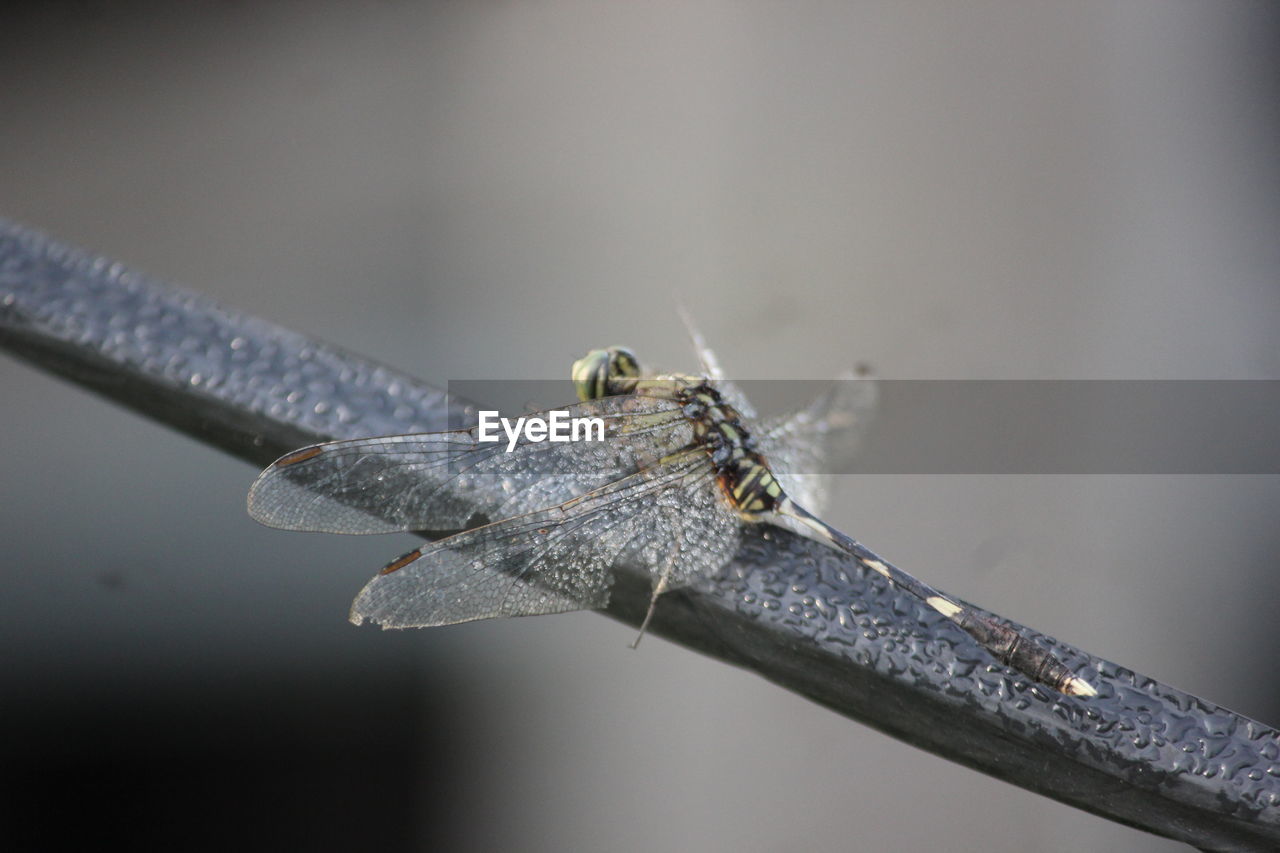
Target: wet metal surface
<point>788,609</point>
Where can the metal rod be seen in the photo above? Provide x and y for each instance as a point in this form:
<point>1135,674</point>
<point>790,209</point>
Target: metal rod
<point>791,610</point>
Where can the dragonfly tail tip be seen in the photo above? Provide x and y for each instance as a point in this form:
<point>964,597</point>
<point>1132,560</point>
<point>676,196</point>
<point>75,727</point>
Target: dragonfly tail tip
<point>1076,686</point>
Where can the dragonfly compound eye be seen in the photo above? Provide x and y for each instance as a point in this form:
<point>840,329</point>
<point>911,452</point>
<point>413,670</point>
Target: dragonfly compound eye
<point>597,373</point>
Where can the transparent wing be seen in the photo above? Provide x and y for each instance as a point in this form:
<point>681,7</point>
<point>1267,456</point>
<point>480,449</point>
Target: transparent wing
<point>710,364</point>
<point>668,518</point>
<point>804,447</point>
<point>451,480</point>
<point>711,367</point>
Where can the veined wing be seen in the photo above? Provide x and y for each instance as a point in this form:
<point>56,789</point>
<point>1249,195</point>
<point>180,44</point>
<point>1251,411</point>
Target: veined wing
<point>448,480</point>
<point>804,446</point>
<point>668,517</point>
<point>731,393</point>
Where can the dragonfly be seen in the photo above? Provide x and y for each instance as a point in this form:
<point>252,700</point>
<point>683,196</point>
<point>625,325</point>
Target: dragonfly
<point>683,466</point>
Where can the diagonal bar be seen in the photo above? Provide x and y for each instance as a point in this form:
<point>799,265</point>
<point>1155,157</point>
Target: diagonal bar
<point>793,611</point>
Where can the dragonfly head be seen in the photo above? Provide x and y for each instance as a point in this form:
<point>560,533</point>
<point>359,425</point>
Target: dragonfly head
<point>605,372</point>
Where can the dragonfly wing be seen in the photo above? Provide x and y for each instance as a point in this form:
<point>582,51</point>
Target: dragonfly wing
<point>452,480</point>
<point>711,367</point>
<point>805,446</point>
<point>562,558</point>
<point>706,357</point>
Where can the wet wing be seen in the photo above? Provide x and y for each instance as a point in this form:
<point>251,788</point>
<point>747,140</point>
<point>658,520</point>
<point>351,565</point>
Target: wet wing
<point>805,447</point>
<point>451,480</point>
<point>668,518</point>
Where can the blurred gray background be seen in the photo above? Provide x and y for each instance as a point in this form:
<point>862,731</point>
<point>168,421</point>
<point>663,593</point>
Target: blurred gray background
<point>485,190</point>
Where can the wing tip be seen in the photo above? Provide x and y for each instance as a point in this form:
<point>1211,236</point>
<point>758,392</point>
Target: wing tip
<point>302,454</point>
<point>253,501</point>
<point>400,562</point>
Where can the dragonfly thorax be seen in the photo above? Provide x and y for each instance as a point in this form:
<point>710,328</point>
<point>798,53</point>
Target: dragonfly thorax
<point>741,469</point>
<point>718,428</point>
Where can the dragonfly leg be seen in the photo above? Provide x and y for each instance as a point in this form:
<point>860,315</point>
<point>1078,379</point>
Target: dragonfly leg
<point>658,589</point>
<point>664,579</point>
